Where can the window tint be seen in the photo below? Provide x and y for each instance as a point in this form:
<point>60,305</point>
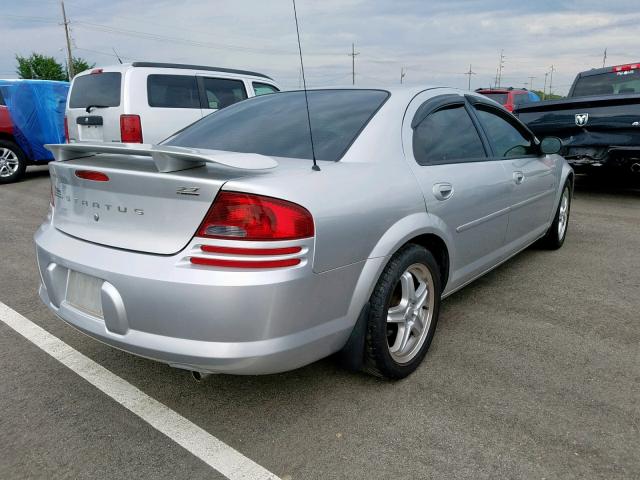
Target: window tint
<point>263,88</point>
<point>173,91</point>
<point>2,102</point>
<point>101,89</point>
<point>276,125</point>
<point>521,99</point>
<point>506,139</point>
<point>222,92</point>
<point>446,135</point>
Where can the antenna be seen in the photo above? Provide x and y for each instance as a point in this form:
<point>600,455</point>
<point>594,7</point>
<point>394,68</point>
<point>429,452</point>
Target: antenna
<point>304,83</point>
<point>117,56</point>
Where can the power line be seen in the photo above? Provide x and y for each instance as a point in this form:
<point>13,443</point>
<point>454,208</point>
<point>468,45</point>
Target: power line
<point>402,75</point>
<point>353,63</point>
<point>531,82</point>
<point>604,58</point>
<point>551,80</point>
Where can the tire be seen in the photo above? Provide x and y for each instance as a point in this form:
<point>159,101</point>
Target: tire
<point>554,238</point>
<point>392,300</point>
<point>13,162</point>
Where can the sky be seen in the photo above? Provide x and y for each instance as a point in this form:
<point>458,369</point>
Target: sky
<point>432,41</point>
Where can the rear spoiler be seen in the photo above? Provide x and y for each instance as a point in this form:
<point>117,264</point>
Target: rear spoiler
<point>167,158</point>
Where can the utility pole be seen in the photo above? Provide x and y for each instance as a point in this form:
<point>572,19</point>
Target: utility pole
<point>66,32</point>
<point>604,58</point>
<point>500,67</point>
<point>353,63</point>
<point>544,89</point>
<point>531,83</point>
<point>551,80</point>
<point>402,74</point>
<point>468,74</point>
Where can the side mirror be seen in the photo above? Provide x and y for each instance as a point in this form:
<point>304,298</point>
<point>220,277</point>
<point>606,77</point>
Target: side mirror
<point>550,145</point>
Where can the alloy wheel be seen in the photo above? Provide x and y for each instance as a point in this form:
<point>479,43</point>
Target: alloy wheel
<point>410,313</point>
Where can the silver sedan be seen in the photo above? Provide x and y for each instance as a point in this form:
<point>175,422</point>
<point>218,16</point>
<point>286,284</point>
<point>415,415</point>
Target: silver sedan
<point>245,245</point>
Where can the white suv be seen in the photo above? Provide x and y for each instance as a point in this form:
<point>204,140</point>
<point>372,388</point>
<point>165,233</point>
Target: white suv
<point>144,102</point>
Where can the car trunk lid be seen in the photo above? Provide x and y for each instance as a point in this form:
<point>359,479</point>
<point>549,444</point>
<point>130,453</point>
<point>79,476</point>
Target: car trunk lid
<point>124,201</point>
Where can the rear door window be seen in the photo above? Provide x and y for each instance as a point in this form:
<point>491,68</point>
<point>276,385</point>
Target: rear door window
<point>447,135</point>
<point>222,92</point>
<point>263,88</point>
<point>506,139</point>
<point>173,91</point>
<point>97,89</point>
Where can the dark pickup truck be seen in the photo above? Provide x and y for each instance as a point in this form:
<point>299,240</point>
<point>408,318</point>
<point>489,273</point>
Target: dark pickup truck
<point>599,121</point>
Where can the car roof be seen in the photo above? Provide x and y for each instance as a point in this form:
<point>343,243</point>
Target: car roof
<point>181,66</point>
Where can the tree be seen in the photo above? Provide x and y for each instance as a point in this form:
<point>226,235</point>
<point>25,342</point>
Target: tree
<point>40,67</point>
<point>547,96</point>
<point>80,65</point>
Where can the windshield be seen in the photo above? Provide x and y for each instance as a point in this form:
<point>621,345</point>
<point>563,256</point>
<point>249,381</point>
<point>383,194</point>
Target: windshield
<point>501,98</point>
<point>101,89</point>
<point>276,125</point>
<point>610,83</point>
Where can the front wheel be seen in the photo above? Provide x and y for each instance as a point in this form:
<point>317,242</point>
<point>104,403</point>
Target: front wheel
<point>554,238</point>
<point>12,162</point>
<point>403,314</point>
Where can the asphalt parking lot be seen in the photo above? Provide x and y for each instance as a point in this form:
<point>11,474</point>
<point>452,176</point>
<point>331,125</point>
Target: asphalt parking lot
<point>534,373</point>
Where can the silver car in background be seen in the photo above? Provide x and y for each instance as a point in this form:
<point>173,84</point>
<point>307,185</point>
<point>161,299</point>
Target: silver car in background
<point>222,250</point>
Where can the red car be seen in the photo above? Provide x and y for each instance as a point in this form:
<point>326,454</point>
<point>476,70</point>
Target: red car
<point>510,97</point>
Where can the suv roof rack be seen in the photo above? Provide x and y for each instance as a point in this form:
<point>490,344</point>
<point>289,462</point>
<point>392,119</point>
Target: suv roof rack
<point>199,67</point>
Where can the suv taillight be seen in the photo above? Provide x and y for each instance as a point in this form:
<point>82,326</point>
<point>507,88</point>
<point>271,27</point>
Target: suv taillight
<point>244,216</point>
<point>130,129</point>
<point>66,129</point>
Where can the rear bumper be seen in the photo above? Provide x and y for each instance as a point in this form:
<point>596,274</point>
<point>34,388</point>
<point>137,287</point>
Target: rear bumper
<point>199,318</point>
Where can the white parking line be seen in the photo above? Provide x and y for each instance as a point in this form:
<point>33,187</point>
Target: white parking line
<point>220,456</point>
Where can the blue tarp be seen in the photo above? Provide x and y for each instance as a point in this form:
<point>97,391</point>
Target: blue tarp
<point>37,111</point>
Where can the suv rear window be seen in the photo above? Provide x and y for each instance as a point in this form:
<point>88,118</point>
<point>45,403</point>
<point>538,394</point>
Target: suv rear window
<point>99,89</point>
<point>276,125</point>
<point>173,91</point>
<point>501,98</point>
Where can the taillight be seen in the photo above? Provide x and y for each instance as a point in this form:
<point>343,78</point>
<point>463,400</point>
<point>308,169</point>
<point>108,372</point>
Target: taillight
<point>626,68</point>
<point>66,129</point>
<point>244,216</point>
<point>130,129</point>
<point>92,175</point>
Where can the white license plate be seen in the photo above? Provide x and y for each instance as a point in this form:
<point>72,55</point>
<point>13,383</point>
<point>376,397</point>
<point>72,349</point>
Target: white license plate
<point>84,293</point>
<point>90,132</point>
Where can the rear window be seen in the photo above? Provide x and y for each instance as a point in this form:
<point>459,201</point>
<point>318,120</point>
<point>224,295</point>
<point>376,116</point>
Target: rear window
<point>173,91</point>
<point>97,89</point>
<point>611,83</point>
<point>501,98</point>
<point>276,125</point>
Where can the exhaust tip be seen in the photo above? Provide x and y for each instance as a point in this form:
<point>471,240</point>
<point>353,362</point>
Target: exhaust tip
<point>199,376</point>
<point>635,168</point>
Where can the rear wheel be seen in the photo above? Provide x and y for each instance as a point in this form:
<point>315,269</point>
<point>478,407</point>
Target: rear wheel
<point>403,313</point>
<point>554,238</point>
<point>12,162</point>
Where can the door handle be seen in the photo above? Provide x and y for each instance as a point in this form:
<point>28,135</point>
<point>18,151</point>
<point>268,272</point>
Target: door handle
<point>518,177</point>
<point>443,190</point>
